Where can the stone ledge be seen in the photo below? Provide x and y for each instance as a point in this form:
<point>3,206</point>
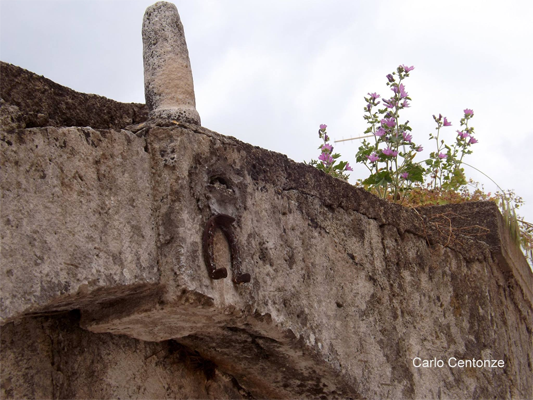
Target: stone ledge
<point>30,100</point>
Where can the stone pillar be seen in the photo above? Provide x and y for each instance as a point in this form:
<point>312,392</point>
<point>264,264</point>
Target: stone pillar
<point>168,84</point>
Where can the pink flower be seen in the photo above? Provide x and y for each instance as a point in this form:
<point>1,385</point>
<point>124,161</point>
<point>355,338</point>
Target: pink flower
<point>380,132</point>
<point>472,140</point>
<point>404,175</point>
<point>407,137</point>
<point>368,107</point>
<point>462,135</point>
<point>468,111</point>
<point>407,69</point>
<point>373,96</point>
<point>323,127</point>
<point>419,149</point>
<point>403,93</point>
<point>389,103</point>
<point>327,147</point>
<point>390,78</point>
<point>405,104</point>
<point>446,123</point>
<point>442,155</point>
<point>389,122</point>
<point>348,168</point>
<point>326,158</point>
<point>373,157</point>
<point>389,152</point>
<point>401,90</point>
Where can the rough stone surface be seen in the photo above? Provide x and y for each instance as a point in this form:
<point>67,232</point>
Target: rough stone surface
<point>76,216</point>
<point>55,359</point>
<point>349,278</point>
<point>28,100</point>
<point>168,83</point>
<point>345,288</point>
<point>483,221</point>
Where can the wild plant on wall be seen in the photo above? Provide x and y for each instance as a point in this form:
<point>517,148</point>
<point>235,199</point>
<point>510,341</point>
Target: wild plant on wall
<point>397,174</point>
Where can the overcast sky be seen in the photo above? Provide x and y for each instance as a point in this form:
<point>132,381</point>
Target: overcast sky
<point>269,72</point>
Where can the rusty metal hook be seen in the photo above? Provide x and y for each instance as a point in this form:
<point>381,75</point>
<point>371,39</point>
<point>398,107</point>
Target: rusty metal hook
<point>222,222</point>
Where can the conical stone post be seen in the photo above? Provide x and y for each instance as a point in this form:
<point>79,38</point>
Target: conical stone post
<point>168,83</point>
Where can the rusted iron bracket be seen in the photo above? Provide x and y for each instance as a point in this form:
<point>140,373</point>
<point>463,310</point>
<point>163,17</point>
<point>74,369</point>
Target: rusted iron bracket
<point>222,222</point>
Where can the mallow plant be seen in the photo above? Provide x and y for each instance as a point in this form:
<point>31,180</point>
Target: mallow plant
<point>396,175</point>
<point>327,160</point>
<point>389,157</point>
<point>444,164</point>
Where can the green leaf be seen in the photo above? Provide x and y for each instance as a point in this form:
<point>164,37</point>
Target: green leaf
<point>416,172</point>
<point>340,166</point>
<point>381,178</point>
<point>370,180</point>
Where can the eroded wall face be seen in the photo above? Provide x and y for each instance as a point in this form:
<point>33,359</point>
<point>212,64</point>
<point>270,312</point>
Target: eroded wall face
<point>345,291</point>
<point>360,283</point>
<point>52,358</point>
<point>28,100</point>
<point>77,224</point>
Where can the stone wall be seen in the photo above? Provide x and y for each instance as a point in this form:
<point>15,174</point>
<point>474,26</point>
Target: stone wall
<point>102,254</point>
<point>46,103</point>
<point>52,358</point>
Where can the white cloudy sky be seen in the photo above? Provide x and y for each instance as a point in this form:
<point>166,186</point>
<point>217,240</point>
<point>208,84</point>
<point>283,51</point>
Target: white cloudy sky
<point>269,72</point>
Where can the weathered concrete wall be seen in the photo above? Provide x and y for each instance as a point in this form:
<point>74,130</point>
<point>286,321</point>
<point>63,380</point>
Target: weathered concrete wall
<point>28,100</point>
<point>345,289</point>
<point>52,358</point>
<point>76,218</point>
